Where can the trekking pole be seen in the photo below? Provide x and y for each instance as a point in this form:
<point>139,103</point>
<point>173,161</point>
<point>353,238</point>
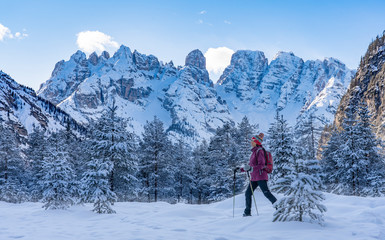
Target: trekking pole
<point>252,193</point>
<point>235,170</point>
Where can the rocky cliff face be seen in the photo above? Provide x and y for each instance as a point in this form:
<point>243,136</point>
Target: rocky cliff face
<point>244,75</point>
<point>183,98</point>
<point>369,85</point>
<point>67,76</point>
<point>22,110</point>
<point>252,87</point>
<point>192,100</point>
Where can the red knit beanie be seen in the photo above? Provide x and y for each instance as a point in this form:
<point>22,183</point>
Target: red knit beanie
<point>258,139</point>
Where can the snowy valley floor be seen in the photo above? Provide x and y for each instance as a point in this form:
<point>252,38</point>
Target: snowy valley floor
<point>346,218</point>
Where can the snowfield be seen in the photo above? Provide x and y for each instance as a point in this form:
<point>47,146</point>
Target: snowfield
<point>346,218</point>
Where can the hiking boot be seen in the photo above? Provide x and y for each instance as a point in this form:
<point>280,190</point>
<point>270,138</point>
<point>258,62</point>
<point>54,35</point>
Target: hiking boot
<point>275,205</point>
<point>246,214</point>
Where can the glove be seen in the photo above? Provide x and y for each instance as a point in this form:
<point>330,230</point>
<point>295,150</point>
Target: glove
<point>246,168</point>
<point>237,169</point>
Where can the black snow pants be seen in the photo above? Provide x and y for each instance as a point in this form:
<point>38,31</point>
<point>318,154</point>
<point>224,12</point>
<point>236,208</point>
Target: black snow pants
<point>263,185</point>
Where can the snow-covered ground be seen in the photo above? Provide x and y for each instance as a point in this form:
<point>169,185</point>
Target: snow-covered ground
<point>346,218</point>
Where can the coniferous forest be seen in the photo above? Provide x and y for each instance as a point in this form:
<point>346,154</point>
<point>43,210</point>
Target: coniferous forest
<point>110,164</point>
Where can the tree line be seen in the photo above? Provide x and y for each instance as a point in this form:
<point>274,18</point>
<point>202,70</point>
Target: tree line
<point>110,164</point>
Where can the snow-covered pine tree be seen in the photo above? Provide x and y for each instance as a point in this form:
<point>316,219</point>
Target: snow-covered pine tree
<point>242,138</point>
<point>125,160</point>
<point>307,131</point>
<point>96,180</point>
<point>183,164</point>
<point>306,143</point>
<point>12,168</point>
<point>201,173</point>
<point>349,164</point>
<point>273,137</point>
<point>77,154</point>
<point>37,149</point>
<point>359,165</point>
<point>302,199</point>
<point>96,185</point>
<point>331,155</point>
<point>280,142</point>
<point>244,132</point>
<point>155,171</point>
<point>222,162</point>
<point>372,174</point>
<point>302,195</point>
<point>58,178</point>
<point>115,144</point>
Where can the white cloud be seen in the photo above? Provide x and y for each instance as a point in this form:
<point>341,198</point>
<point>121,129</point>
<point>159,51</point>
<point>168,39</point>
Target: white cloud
<point>95,41</point>
<point>227,22</point>
<point>202,12</point>
<point>20,35</point>
<point>5,32</point>
<point>217,59</point>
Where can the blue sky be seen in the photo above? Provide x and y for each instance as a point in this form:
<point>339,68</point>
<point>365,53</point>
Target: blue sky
<point>35,35</point>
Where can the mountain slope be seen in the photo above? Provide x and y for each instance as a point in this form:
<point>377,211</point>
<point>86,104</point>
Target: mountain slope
<point>22,109</point>
<point>369,85</point>
<point>183,98</point>
<point>252,87</point>
<point>186,100</point>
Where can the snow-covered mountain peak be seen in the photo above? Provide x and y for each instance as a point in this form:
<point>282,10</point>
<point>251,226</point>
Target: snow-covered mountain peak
<point>334,66</point>
<point>194,70</point>
<point>280,81</point>
<point>333,60</point>
<point>247,60</point>
<point>286,60</point>
<point>122,50</point>
<point>78,57</point>
<point>93,59</point>
<point>22,110</point>
<point>283,54</point>
<point>123,53</point>
<point>185,99</point>
<point>196,59</point>
<point>6,80</point>
<point>144,62</point>
<point>105,55</point>
<point>243,76</point>
<point>252,87</point>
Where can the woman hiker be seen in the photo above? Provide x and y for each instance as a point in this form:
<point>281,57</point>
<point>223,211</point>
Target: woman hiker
<point>259,176</point>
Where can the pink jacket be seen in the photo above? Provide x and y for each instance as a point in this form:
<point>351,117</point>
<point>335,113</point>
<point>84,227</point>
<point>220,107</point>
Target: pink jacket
<point>257,162</point>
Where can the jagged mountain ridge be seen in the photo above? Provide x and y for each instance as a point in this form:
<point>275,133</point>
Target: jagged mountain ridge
<point>369,85</point>
<point>251,86</point>
<point>185,98</point>
<point>22,110</point>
